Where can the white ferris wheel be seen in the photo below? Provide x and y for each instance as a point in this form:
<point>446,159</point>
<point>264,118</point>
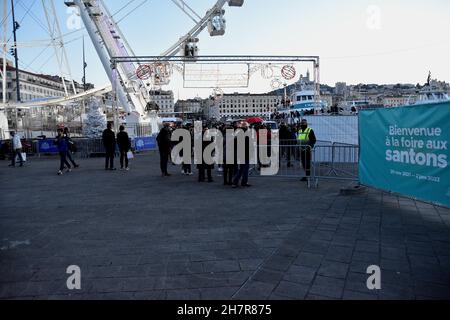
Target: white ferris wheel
<point>130,81</point>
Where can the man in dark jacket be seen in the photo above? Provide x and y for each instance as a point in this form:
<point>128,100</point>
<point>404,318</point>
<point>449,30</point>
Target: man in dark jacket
<point>109,142</point>
<point>286,142</point>
<point>204,169</point>
<point>124,144</point>
<point>164,145</point>
<point>242,161</point>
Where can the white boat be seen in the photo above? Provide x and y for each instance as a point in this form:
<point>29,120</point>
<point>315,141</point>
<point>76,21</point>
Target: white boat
<point>305,98</point>
<point>429,95</point>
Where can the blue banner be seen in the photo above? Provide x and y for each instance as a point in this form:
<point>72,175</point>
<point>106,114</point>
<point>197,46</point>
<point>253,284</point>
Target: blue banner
<point>405,150</point>
<point>145,143</point>
<point>47,146</point>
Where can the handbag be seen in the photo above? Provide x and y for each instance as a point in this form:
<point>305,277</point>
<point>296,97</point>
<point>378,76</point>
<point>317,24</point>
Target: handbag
<point>130,155</point>
<point>24,157</point>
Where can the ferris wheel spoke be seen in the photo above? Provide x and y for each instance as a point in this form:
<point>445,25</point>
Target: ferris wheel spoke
<point>188,10</point>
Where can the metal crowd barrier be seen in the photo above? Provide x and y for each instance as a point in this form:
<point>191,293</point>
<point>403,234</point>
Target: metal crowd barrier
<point>334,161</point>
<point>337,162</point>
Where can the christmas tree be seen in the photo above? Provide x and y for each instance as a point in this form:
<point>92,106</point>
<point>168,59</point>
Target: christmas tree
<point>95,120</point>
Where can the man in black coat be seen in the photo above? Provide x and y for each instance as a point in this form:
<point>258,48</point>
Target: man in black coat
<point>124,144</point>
<point>164,145</point>
<point>109,142</point>
<point>242,161</point>
<point>286,142</point>
<point>204,169</point>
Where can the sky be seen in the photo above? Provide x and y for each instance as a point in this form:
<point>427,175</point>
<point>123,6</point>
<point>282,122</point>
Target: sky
<point>376,41</point>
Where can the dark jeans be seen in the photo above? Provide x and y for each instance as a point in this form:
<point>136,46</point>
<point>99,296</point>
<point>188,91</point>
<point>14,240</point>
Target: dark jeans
<point>123,158</point>
<point>63,161</point>
<point>305,155</point>
<point>14,154</point>
<point>164,156</point>
<point>201,172</point>
<point>109,159</point>
<point>242,172</point>
<point>286,150</point>
<point>69,157</point>
<point>228,173</point>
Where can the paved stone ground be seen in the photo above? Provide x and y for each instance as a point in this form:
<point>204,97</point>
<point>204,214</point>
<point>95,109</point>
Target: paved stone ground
<point>136,235</point>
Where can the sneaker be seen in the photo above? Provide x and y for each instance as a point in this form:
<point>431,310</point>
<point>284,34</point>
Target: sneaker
<point>247,185</point>
<point>60,173</point>
<point>182,172</point>
<point>234,186</point>
<point>69,170</point>
<point>190,174</point>
<point>121,169</point>
<point>127,169</point>
<point>76,166</point>
<point>113,169</point>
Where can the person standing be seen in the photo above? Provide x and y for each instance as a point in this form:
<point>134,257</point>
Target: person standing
<point>204,169</point>
<point>124,144</point>
<point>109,142</point>
<point>164,146</point>
<point>242,161</point>
<point>286,143</point>
<point>63,149</point>
<point>16,149</point>
<point>228,168</point>
<point>307,140</point>
<point>186,168</point>
<point>71,147</point>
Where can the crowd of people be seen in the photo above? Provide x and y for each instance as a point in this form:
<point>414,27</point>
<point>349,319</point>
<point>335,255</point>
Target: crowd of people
<point>111,141</point>
<point>294,116</point>
<point>296,142</point>
<point>235,174</point>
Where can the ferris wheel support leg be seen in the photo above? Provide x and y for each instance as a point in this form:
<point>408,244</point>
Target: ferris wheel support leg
<point>97,42</point>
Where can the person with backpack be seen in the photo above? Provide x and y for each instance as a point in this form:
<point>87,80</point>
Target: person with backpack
<point>124,144</point>
<point>71,148</point>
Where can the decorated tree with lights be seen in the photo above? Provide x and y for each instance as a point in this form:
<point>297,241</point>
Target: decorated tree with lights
<point>95,120</point>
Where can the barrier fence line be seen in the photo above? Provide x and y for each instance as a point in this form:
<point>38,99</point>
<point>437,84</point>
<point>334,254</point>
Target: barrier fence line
<point>327,161</point>
<point>335,161</point>
<point>85,147</point>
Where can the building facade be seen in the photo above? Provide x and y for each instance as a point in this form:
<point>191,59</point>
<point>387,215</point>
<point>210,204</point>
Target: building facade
<point>238,105</point>
<point>35,87</point>
<point>165,102</point>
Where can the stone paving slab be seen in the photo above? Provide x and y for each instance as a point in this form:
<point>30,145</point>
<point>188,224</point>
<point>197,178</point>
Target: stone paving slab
<point>136,235</point>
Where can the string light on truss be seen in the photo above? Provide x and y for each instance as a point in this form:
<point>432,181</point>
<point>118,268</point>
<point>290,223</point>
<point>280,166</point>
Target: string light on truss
<point>276,83</point>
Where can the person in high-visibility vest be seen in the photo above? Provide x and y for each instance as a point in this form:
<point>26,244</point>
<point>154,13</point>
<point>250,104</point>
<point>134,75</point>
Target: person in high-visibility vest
<point>307,140</point>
